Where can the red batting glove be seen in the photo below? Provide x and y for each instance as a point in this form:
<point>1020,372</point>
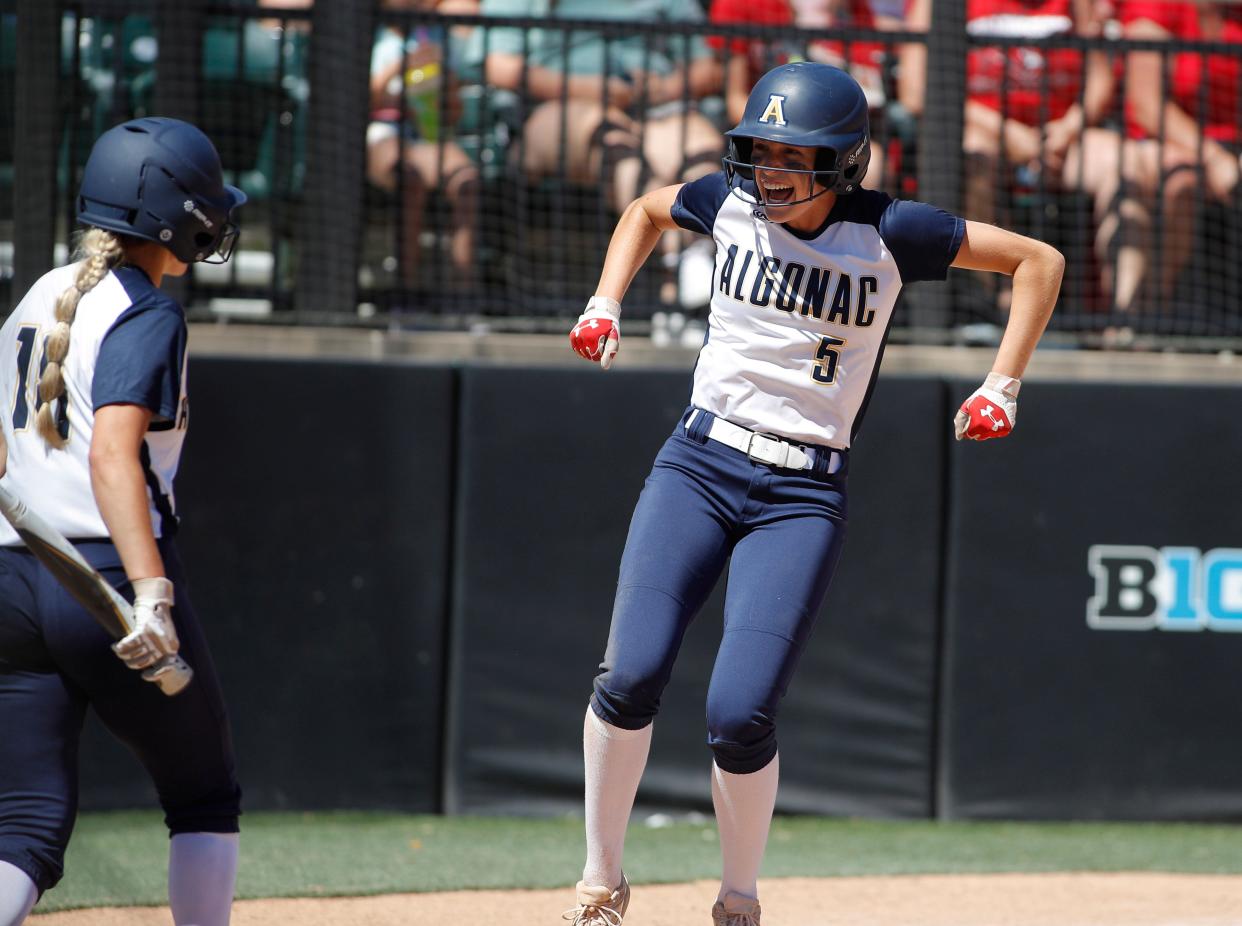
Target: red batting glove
<point>990,411</point>
<point>597,333</point>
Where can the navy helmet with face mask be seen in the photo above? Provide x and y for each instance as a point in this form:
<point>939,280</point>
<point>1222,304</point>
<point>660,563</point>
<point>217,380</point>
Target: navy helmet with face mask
<point>160,179</point>
<point>810,105</point>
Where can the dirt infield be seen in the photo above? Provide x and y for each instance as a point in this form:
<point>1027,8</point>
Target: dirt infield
<point>942,900</point>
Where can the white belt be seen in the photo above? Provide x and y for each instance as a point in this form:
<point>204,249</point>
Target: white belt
<point>764,449</point>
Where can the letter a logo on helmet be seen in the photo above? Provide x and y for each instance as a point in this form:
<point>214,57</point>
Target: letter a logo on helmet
<point>775,113</point>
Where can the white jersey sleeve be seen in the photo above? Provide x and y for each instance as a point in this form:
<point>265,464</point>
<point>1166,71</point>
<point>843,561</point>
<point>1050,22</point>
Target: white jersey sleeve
<point>799,320</point>
<point>127,346</point>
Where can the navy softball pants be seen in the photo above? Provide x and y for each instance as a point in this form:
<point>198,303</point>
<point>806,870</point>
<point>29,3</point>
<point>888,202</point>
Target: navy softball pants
<point>54,661</point>
<point>781,532</point>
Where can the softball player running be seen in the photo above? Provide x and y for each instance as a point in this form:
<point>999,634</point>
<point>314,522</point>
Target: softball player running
<point>94,408</point>
<point>808,267</point>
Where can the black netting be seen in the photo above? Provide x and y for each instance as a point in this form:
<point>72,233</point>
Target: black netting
<point>449,176</point>
<point>8,82</point>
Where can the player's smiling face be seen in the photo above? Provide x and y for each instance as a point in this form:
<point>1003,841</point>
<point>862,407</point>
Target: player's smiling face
<point>782,182</point>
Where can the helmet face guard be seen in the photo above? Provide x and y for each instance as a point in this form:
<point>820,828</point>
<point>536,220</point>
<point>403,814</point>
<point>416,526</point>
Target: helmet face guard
<point>739,167</point>
<point>225,245</point>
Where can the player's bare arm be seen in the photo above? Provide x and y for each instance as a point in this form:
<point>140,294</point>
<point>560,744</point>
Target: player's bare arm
<point>634,238</point>
<point>1036,268</point>
<point>596,334</point>
<point>121,488</point>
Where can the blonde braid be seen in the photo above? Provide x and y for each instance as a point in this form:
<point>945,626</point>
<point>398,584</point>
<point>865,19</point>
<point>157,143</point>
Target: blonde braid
<point>102,251</point>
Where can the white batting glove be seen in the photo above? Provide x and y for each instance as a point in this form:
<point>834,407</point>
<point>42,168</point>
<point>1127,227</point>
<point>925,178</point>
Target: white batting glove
<point>597,333</point>
<point>990,411</point>
<point>154,635</point>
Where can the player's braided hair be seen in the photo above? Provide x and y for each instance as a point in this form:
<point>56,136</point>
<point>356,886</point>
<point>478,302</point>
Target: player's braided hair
<point>99,251</point>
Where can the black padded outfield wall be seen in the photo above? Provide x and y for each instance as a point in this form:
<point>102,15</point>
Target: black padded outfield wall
<point>1095,580</point>
<point>551,464</point>
<point>316,502</point>
<point>406,574</point>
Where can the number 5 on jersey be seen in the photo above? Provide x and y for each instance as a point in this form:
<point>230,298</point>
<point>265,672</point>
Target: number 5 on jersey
<point>827,354</point>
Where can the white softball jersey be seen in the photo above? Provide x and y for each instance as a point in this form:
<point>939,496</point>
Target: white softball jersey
<point>127,346</point>
<point>799,320</point>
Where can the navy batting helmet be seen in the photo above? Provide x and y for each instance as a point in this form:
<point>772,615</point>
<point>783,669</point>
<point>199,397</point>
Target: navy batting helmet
<point>160,179</point>
<point>809,105</point>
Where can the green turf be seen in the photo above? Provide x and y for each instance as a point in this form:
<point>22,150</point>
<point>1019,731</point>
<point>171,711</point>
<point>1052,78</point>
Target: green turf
<point>120,858</point>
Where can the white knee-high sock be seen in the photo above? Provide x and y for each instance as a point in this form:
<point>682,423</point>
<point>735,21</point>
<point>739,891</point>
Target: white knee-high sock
<point>744,805</point>
<point>615,759</point>
<point>202,872</point>
<point>17,895</point>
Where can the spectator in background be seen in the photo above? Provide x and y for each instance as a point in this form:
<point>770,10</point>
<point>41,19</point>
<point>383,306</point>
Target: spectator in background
<point>1188,104</point>
<point>1205,134</point>
<point>460,34</point>
<point>286,5</point>
<point>869,63</point>
<point>409,149</point>
<point>748,59</point>
<point>822,14</point>
<point>864,60</point>
<point>1014,136</point>
<point>624,109</point>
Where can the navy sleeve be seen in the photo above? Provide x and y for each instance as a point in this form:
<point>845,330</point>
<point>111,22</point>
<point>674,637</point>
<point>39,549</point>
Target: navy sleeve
<point>140,360</point>
<point>922,238</point>
<point>698,202</point>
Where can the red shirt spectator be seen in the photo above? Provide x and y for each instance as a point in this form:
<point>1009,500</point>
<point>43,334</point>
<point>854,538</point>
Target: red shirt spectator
<point>1013,80</point>
<point>749,59</point>
<point>866,59</point>
<point>1189,21</point>
<point>751,12</point>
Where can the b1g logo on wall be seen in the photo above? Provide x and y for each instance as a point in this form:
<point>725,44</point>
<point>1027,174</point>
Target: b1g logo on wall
<point>1170,588</point>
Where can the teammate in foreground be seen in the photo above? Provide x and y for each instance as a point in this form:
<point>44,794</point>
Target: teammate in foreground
<point>808,267</point>
<point>93,407</point>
